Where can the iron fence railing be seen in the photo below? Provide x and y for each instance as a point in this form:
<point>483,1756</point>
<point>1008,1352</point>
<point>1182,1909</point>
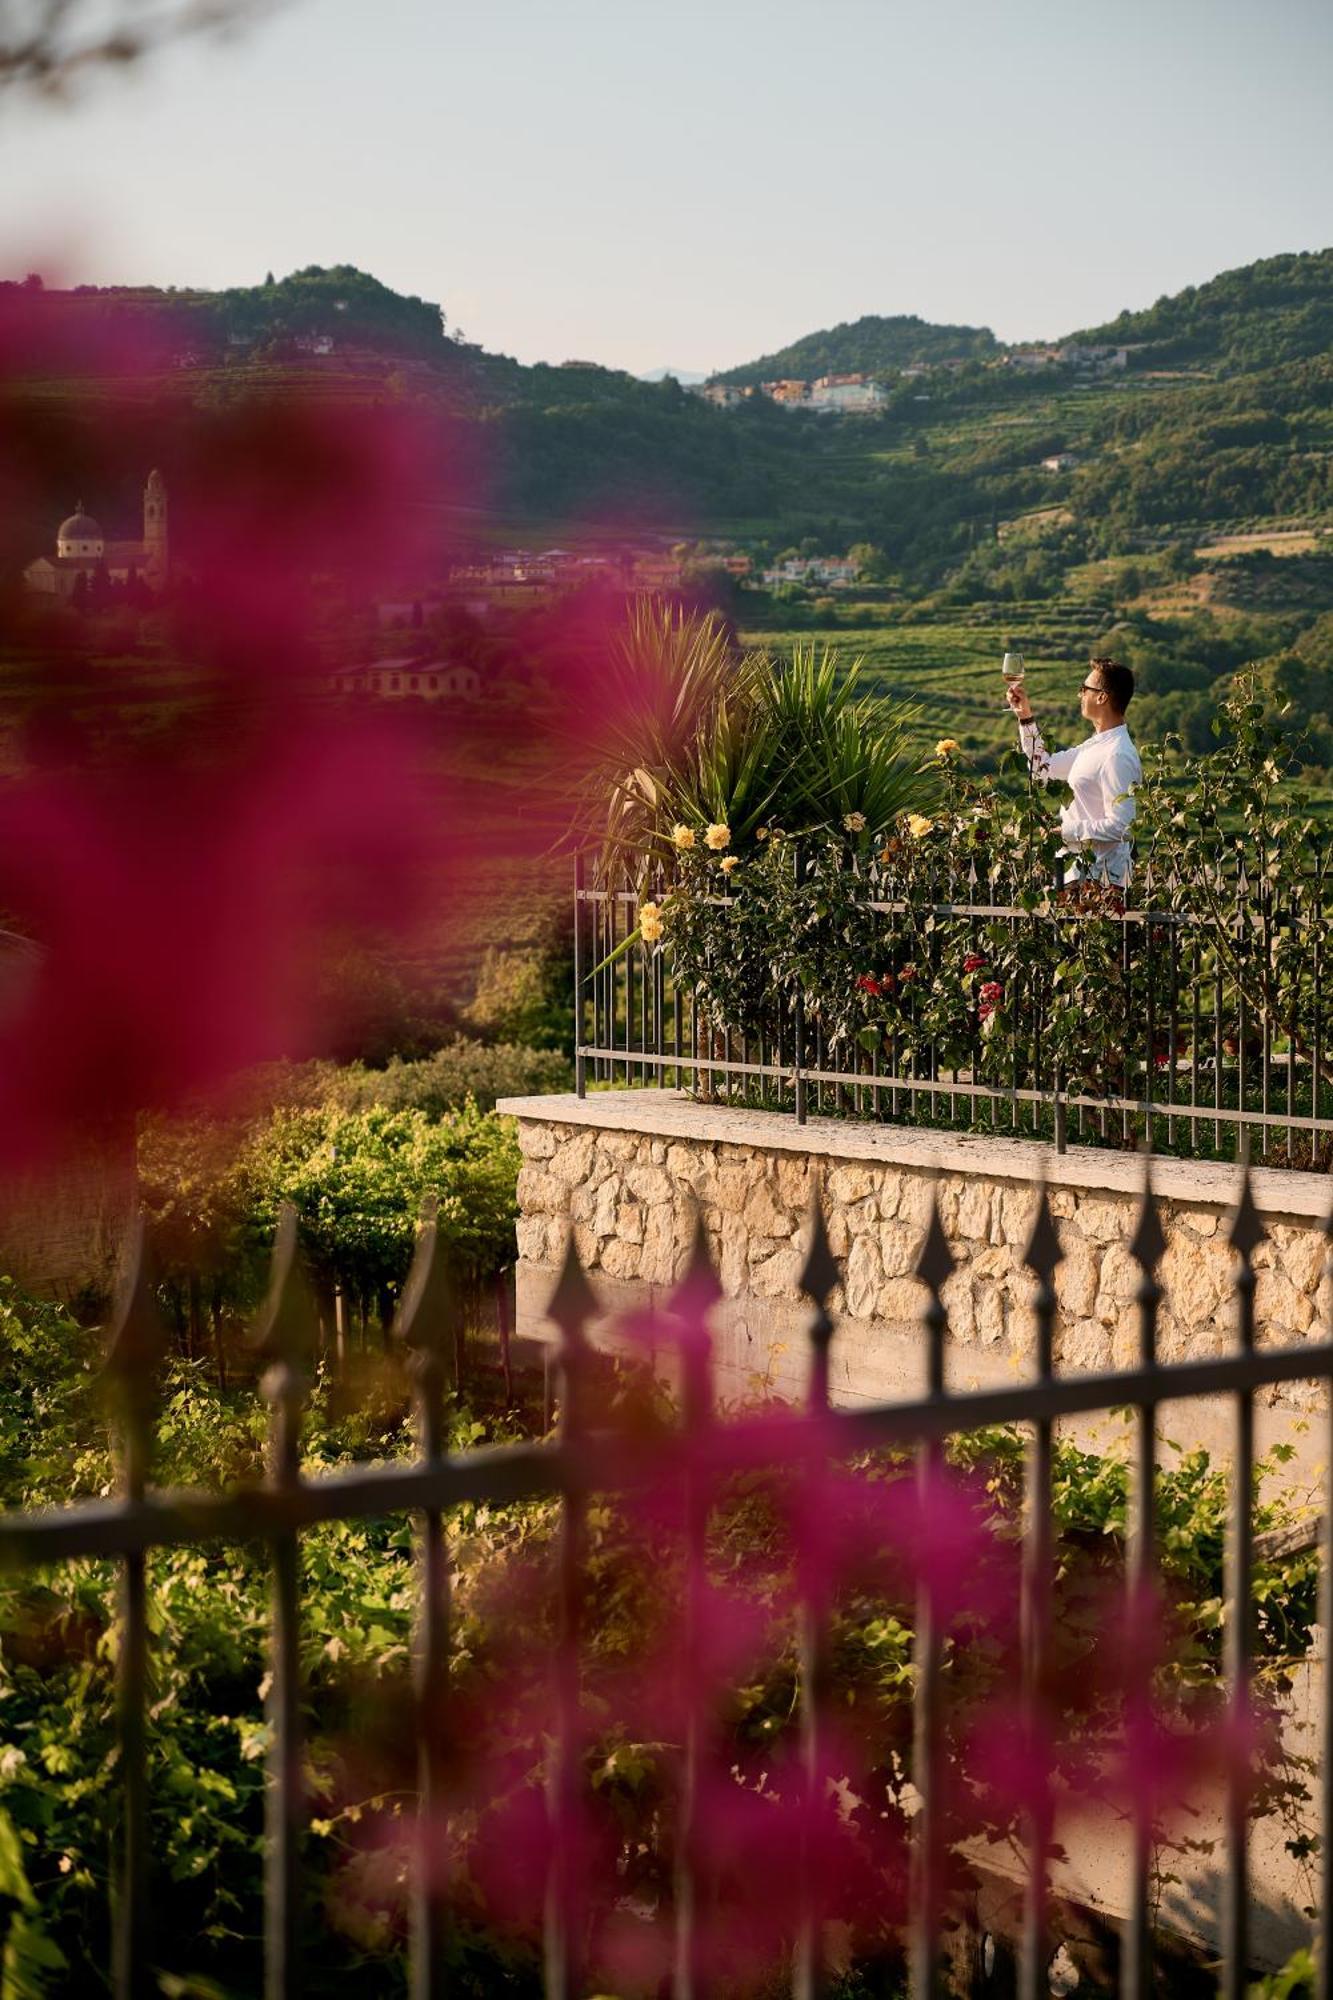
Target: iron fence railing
<point>1206,1033</point>
<point>582,1462</point>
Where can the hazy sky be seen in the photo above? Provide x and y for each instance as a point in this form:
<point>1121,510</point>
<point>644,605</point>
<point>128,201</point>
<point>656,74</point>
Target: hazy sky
<point>642,185</point>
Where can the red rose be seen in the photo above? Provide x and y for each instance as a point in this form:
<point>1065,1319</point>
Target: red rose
<point>974,962</point>
<point>886,982</point>
<point>867,983</point>
<point>908,972</point>
<point>993,992</point>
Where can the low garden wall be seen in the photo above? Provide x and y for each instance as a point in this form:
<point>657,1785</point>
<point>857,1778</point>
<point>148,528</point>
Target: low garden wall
<point>627,1171</point>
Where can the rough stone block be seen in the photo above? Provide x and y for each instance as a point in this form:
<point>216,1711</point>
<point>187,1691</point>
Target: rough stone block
<point>862,1277</point>
<point>1076,1279</point>
<point>778,1277</point>
<point>974,1212</point>
<point>536,1142</point>
<point>530,1232</point>
<point>992,1319</point>
<point>899,1248</point>
<point>1197,1277</point>
<point>650,1185</point>
<point>847,1184</point>
<point>1281,1310</point>
<point>1301,1253</point>
<point>1104,1221</point>
<point>572,1158</point>
<point>901,1301</point>
<point>763,1217</point>
<point>1085,1347</point>
<point>862,1217</point>
<point>629,1222</point>
<point>620,1259</point>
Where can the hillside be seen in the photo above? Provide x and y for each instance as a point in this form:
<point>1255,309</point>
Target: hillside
<point>873,345</point>
<point>1264,314</point>
<point>1233,429</point>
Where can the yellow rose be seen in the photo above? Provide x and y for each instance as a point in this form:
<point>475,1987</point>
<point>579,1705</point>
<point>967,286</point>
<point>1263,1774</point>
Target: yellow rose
<point>682,836</point>
<point>946,747</point>
<point>854,822</point>
<point>729,862</point>
<point>918,825</point>
<point>718,837</point>
<point>650,922</point>
<point>761,833</point>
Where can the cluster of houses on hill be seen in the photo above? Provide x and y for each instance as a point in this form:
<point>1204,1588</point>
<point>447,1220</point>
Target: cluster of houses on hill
<point>828,572</point>
<point>1084,360</point>
<point>847,395</point>
<point>862,395</point>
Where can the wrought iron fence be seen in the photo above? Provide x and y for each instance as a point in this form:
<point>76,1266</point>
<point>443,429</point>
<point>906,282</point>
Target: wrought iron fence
<point>1204,1030</point>
<point>583,1461</point>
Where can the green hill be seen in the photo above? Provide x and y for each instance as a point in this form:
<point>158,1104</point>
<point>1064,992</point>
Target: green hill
<point>1258,316</point>
<point>870,346</point>
<point>1223,420</point>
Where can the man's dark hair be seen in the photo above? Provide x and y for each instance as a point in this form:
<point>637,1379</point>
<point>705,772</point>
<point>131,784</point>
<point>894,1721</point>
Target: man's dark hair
<point>1118,682</point>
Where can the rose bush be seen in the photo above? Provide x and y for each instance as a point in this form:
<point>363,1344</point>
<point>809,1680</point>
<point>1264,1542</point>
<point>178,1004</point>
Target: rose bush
<point>947,944</point>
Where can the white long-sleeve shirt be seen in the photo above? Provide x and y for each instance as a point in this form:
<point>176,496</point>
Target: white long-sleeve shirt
<point>1102,774</point>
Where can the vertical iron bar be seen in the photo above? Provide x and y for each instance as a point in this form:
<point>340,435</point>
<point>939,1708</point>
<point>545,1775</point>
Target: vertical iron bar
<point>1147,1248</point>
<point>425,1326</point>
<point>134,1351</point>
<point>1324,1958</point>
<point>817,1281</point>
<point>690,1304</point>
<point>580,1060</point>
<point>1042,1258</point>
<point>933,1268</point>
<point>286,1341</point>
<point>1247,1233</point>
<point>571,1307</point>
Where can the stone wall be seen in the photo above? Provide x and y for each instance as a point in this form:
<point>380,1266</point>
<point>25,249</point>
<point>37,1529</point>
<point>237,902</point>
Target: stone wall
<point>628,1171</point>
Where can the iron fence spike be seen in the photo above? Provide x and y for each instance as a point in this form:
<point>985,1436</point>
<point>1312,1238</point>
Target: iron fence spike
<point>1148,1243</point>
<point>137,1338</point>
<point>936,1261</point>
<point>1247,1230</point>
<point>287,1327</point>
<point>820,1273</point>
<point>424,1320</point>
<point>698,1289</point>
<point>573,1302</point>
<point>1043,1250</point>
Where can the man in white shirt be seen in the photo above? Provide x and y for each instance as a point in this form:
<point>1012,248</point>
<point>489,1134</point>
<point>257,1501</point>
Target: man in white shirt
<point>1102,773</point>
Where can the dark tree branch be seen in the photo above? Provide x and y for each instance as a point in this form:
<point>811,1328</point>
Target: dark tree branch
<point>48,46</point>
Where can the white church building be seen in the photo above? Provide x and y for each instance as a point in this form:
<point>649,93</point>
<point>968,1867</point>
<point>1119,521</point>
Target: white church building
<point>83,550</point>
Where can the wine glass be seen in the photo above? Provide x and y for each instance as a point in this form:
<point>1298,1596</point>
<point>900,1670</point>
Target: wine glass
<point>1013,670</point>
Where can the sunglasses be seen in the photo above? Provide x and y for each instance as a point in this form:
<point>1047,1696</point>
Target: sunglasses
<point>1092,687</point>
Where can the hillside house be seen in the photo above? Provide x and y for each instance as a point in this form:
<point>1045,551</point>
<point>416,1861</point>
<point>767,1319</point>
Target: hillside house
<point>825,572</point>
<point>851,395</point>
<point>410,679</point>
<point>1059,461</point>
<point>791,393</point>
<point>722,395</point>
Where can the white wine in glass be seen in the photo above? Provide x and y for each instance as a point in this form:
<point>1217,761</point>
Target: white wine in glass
<point>1013,670</point>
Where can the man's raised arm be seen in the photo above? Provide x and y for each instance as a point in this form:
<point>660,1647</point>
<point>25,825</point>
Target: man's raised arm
<point>1044,764</point>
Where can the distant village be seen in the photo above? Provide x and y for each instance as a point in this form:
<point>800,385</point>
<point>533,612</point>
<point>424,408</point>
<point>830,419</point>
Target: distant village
<point>863,395</point>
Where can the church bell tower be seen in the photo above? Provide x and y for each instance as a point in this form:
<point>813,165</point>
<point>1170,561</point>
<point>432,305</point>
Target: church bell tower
<point>155,529</point>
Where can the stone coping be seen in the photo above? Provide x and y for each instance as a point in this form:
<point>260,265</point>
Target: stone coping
<point>669,1114</point>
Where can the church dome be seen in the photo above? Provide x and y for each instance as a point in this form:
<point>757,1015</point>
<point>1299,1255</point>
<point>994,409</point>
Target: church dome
<point>79,527</point>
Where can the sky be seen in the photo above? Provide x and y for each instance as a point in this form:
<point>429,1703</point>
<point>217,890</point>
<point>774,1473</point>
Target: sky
<point>693,186</point>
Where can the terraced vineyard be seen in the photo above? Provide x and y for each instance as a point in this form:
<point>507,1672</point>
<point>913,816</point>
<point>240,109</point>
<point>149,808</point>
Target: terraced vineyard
<point>947,668</point>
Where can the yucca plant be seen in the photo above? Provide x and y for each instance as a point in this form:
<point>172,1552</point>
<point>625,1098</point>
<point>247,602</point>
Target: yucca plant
<point>673,682</point>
